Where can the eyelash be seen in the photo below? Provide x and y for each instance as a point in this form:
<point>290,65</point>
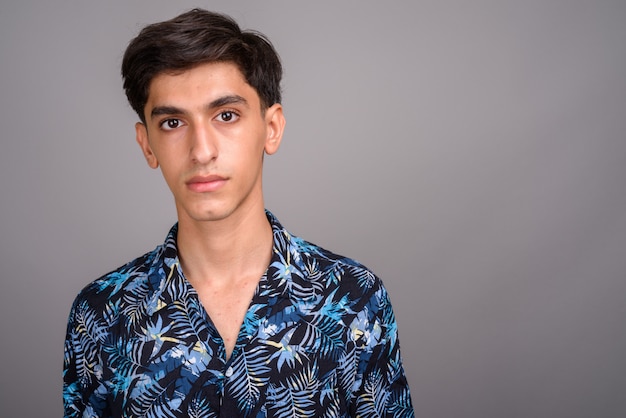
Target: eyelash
<point>234,115</point>
<point>163,124</point>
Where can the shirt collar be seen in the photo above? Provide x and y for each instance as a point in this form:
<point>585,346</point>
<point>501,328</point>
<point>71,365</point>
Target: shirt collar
<point>285,251</point>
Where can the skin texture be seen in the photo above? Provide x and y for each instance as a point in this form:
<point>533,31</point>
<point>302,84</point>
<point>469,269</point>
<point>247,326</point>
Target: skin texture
<point>188,133</point>
<point>206,130</point>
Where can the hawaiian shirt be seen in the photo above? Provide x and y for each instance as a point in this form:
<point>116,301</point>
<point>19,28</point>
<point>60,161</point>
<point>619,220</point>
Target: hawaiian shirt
<point>319,340</point>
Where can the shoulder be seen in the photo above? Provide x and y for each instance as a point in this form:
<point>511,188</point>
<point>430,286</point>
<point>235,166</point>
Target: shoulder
<point>336,270</point>
<point>312,273</point>
<point>126,280</point>
<point>317,265</point>
<point>346,291</point>
<point>311,251</point>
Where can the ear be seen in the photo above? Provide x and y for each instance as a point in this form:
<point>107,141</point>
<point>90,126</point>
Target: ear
<point>275,121</point>
<point>141,135</point>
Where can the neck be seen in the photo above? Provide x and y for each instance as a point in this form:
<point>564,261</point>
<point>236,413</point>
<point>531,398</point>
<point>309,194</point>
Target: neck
<point>221,253</point>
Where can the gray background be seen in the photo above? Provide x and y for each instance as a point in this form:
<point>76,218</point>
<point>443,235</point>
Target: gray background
<point>473,154</point>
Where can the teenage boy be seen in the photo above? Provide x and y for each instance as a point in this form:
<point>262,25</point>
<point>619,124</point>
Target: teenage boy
<point>231,316</point>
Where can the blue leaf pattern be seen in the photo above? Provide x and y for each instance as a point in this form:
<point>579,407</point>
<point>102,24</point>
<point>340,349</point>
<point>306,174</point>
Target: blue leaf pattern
<point>319,340</point>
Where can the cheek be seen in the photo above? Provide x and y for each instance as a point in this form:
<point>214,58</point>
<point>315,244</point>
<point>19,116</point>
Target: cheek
<point>170,172</point>
<point>246,152</point>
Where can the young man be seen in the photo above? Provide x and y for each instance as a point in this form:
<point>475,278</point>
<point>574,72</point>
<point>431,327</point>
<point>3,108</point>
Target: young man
<point>232,316</point>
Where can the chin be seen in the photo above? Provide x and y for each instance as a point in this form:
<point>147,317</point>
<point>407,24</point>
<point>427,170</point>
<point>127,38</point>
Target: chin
<point>203,213</point>
<point>211,216</point>
<point>213,210</point>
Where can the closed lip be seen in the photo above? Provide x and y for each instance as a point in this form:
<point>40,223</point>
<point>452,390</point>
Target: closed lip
<point>205,179</point>
<point>208,183</point>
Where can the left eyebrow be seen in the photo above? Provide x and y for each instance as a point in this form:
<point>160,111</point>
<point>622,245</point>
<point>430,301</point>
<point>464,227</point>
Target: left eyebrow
<point>227,100</point>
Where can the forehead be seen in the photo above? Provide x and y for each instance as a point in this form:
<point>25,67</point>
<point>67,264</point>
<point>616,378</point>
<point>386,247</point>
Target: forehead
<point>198,85</point>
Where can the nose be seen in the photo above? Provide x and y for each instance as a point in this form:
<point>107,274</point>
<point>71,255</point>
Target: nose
<point>203,144</point>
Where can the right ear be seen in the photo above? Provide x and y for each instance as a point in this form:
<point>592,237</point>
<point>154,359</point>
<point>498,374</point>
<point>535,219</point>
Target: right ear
<point>141,135</point>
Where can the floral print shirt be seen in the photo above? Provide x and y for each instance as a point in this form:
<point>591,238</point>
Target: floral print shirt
<point>319,340</point>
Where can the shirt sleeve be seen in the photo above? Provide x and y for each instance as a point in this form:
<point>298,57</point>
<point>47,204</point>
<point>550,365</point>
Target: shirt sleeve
<point>381,387</point>
<point>83,393</point>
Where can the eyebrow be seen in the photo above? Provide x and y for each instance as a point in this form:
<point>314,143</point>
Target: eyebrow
<point>219,102</point>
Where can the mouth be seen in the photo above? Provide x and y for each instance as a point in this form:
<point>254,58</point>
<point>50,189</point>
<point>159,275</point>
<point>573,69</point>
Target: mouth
<point>205,184</point>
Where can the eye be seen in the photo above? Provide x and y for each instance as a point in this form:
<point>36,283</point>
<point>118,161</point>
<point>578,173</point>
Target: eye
<point>227,116</point>
<point>171,124</point>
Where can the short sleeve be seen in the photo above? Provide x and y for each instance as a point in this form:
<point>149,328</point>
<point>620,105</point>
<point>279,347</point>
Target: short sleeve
<point>83,393</point>
<point>381,388</point>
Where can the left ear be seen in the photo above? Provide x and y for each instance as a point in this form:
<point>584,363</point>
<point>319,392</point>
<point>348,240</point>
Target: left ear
<point>275,121</point>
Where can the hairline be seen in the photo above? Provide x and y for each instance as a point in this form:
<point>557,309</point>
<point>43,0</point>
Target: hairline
<point>177,71</point>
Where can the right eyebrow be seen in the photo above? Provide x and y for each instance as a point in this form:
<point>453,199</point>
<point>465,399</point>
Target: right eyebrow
<point>165,110</point>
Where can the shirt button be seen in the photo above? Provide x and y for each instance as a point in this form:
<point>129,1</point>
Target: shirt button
<point>229,372</point>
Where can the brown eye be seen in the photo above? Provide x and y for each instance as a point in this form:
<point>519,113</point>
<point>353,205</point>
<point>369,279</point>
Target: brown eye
<point>227,116</point>
<point>171,124</point>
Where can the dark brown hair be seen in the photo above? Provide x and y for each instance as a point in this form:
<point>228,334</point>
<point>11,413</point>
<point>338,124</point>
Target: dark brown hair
<point>195,37</point>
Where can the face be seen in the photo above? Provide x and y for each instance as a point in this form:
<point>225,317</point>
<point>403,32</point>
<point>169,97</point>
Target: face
<point>205,129</point>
